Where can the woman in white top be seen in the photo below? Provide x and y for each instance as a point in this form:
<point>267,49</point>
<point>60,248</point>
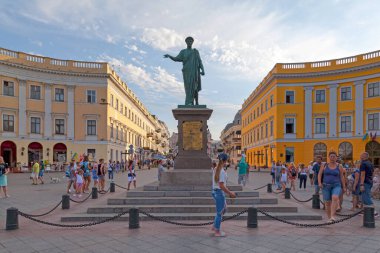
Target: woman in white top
<point>219,179</point>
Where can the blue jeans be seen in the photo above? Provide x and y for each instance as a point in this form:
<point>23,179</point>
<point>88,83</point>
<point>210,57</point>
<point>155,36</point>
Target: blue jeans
<point>329,190</point>
<point>366,195</point>
<point>316,187</point>
<point>110,174</point>
<point>220,202</point>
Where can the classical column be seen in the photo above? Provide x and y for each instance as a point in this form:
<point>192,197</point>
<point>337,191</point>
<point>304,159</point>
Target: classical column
<point>22,108</point>
<point>70,111</point>
<point>359,100</point>
<point>333,110</point>
<point>48,120</point>
<point>308,112</point>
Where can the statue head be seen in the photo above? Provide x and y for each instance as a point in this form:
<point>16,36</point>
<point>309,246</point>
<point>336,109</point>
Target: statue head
<point>189,41</point>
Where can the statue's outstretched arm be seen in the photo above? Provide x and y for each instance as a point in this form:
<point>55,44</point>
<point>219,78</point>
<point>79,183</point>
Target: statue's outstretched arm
<point>178,58</point>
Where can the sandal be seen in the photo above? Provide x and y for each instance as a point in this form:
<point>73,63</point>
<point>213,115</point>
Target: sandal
<point>221,234</point>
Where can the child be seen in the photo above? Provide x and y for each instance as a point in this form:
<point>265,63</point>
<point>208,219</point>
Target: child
<point>94,173</point>
<point>79,182</point>
<point>355,187</point>
<point>160,170</point>
<point>284,178</point>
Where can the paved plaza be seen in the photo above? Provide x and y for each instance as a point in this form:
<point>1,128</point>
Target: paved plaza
<point>153,236</point>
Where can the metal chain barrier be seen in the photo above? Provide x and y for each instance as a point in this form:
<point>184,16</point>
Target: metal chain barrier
<point>125,188</point>
<point>162,219</point>
<point>302,201</point>
<point>81,201</point>
<point>39,215</point>
<point>73,225</point>
<point>308,225</point>
<point>260,187</point>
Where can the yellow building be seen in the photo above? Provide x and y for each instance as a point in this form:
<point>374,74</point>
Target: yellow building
<point>53,109</point>
<point>301,110</point>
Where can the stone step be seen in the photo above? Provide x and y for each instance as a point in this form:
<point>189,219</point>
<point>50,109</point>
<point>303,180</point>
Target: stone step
<point>190,216</point>
<point>156,187</point>
<point>135,194</point>
<point>186,208</point>
<point>189,201</point>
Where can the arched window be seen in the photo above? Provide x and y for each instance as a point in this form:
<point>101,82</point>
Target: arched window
<point>320,149</point>
<point>345,151</point>
<point>373,149</point>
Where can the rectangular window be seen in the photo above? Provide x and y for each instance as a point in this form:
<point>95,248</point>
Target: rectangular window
<point>8,123</point>
<point>345,124</point>
<point>320,126</point>
<point>373,89</point>
<point>266,130</point>
<point>111,100</point>
<point>35,125</point>
<point>59,126</point>
<point>373,121</point>
<point>91,127</point>
<point>111,155</point>
<point>121,108</point>
<point>91,96</point>
<point>59,95</point>
<point>117,104</point>
<point>289,155</point>
<point>262,132</point>
<point>258,111</point>
<point>345,93</point>
<point>266,105</point>
<point>271,128</point>
<point>117,132</point>
<point>289,126</point>
<point>111,130</point>
<point>271,101</point>
<point>254,114</point>
<point>8,88</point>
<point>320,96</point>
<point>35,92</point>
<point>262,108</point>
<point>289,99</point>
<point>125,111</point>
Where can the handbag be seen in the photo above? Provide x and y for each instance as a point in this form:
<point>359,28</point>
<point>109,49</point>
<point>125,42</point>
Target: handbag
<point>32,175</point>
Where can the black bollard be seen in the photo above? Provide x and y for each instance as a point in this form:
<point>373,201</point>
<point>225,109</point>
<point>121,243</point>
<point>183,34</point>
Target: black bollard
<point>112,187</point>
<point>66,201</point>
<point>287,193</point>
<point>12,219</point>
<point>369,217</point>
<point>94,193</point>
<point>252,217</point>
<point>269,188</point>
<point>316,202</point>
<point>134,219</point>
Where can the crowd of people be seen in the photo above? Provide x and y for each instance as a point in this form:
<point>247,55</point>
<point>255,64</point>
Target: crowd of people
<point>334,180</point>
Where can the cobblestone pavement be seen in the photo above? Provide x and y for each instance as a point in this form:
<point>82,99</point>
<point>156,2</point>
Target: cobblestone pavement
<point>270,236</point>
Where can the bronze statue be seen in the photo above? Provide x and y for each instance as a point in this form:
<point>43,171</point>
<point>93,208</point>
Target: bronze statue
<point>191,71</point>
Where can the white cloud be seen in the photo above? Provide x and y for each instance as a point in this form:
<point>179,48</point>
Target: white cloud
<point>162,38</point>
<point>133,48</point>
<point>156,81</point>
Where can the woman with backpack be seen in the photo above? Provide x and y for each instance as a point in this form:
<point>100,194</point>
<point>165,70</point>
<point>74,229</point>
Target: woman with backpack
<point>332,184</point>
<point>293,174</point>
<point>85,166</point>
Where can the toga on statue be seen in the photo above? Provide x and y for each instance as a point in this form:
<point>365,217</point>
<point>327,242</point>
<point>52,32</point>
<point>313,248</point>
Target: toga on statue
<point>191,71</point>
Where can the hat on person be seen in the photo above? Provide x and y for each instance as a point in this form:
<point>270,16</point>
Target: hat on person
<point>223,157</point>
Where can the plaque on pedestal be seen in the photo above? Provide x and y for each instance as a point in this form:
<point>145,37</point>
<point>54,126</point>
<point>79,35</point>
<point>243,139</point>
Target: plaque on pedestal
<point>192,166</point>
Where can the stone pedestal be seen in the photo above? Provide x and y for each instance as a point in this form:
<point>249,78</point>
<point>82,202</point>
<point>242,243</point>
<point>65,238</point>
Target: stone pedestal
<point>192,166</point>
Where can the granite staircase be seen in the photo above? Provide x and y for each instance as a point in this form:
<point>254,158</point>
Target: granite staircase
<point>189,203</point>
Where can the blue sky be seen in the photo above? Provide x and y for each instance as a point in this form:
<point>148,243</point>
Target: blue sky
<point>239,41</point>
